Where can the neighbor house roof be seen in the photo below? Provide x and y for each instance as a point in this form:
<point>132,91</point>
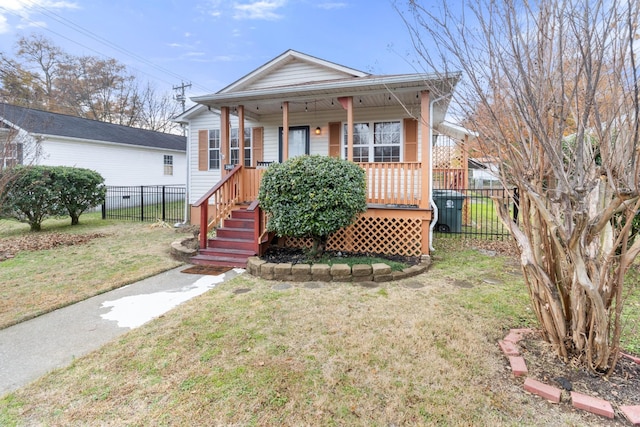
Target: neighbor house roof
<point>40,122</point>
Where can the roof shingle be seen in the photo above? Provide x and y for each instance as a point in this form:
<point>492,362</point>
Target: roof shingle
<point>47,123</point>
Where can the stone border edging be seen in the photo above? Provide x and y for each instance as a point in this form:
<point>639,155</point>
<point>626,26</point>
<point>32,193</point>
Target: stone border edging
<point>181,251</point>
<point>378,272</point>
<point>553,394</point>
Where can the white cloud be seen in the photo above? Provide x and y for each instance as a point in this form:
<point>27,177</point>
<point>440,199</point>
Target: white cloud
<point>4,26</point>
<point>211,8</point>
<point>261,9</point>
<point>331,5</point>
<point>24,9</point>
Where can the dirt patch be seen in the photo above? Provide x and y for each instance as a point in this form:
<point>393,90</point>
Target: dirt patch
<point>619,389</point>
<point>280,255</point>
<point>10,246</point>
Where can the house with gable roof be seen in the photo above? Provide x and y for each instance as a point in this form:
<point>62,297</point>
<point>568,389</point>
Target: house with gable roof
<point>123,155</point>
<point>297,104</point>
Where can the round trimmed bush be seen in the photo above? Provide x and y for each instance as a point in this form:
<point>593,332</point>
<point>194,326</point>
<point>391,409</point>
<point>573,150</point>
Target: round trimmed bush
<point>312,196</point>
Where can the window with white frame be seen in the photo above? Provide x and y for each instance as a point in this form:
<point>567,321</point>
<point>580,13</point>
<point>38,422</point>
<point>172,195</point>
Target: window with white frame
<point>168,164</point>
<point>247,147</point>
<point>234,146</point>
<point>386,142</point>
<point>375,142</point>
<point>10,154</point>
<point>214,149</point>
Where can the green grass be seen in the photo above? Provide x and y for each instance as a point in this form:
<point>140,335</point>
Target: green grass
<point>336,355</point>
<point>630,339</point>
<point>174,211</point>
<point>36,282</point>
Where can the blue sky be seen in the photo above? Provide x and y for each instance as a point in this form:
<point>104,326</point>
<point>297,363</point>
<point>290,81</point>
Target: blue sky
<point>212,43</point>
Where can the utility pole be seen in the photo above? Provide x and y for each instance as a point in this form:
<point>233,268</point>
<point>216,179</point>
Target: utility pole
<point>180,96</point>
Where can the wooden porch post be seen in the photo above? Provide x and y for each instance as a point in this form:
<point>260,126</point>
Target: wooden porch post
<point>347,104</point>
<point>425,131</point>
<point>285,131</point>
<point>224,139</point>
<point>350,127</point>
<point>241,146</point>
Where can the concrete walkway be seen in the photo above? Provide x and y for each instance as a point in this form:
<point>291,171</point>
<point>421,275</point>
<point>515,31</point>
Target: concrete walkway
<point>30,349</point>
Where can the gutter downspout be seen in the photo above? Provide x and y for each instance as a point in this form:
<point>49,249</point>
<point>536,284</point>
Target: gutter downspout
<point>187,132</point>
<point>434,207</point>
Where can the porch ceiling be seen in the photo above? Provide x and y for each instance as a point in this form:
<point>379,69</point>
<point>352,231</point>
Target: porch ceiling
<point>367,92</point>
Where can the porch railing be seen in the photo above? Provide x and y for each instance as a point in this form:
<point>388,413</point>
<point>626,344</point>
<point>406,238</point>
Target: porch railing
<point>387,183</point>
<point>220,200</point>
<point>251,178</point>
<point>393,183</point>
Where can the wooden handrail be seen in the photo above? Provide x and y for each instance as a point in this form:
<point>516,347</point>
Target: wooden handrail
<point>217,187</point>
<point>226,196</point>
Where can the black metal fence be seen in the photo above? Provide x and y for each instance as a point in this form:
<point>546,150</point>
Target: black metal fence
<point>473,213</point>
<point>145,203</point>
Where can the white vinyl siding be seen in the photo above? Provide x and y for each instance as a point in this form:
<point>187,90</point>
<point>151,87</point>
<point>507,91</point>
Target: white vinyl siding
<point>296,72</point>
<point>118,164</point>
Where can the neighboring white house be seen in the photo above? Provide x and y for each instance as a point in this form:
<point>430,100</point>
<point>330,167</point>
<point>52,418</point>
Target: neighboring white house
<point>124,156</point>
<point>484,173</point>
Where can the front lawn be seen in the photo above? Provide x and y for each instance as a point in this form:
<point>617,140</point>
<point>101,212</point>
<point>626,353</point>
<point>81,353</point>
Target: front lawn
<point>420,351</point>
<point>108,255</point>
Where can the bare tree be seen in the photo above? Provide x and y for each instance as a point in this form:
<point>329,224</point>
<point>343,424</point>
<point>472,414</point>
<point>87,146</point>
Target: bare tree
<point>98,89</point>
<point>552,88</point>
<point>44,76</point>
<point>155,109</point>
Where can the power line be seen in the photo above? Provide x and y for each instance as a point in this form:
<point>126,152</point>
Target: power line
<point>88,33</point>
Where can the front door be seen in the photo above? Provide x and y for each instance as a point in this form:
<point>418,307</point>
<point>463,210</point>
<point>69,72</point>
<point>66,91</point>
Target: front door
<point>298,142</point>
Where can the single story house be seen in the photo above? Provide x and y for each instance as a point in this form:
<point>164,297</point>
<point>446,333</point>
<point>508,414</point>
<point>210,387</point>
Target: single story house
<point>124,156</point>
<point>384,123</point>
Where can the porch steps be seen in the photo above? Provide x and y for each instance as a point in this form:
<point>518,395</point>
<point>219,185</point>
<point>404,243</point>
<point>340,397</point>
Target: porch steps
<point>233,243</point>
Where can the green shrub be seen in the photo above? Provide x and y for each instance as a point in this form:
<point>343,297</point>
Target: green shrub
<point>312,196</point>
<point>78,190</point>
<point>30,195</point>
<point>33,193</point>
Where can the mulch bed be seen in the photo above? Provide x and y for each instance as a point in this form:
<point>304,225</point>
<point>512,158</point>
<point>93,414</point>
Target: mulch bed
<point>281,255</point>
<point>621,388</point>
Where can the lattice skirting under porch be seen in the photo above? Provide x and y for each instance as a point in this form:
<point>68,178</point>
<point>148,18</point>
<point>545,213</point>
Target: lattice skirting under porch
<point>390,236</point>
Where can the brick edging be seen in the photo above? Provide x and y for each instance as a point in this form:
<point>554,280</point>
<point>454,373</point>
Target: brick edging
<point>553,394</point>
<point>378,272</point>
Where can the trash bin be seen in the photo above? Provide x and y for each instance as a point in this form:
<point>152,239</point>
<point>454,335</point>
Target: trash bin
<point>449,203</point>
